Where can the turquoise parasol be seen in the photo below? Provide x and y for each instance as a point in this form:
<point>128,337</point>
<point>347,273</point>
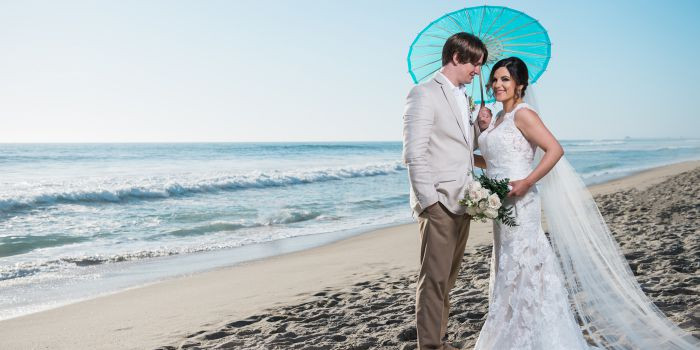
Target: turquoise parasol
<point>506,32</point>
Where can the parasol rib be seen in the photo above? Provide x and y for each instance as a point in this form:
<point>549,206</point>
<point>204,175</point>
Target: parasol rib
<point>516,28</point>
<point>429,74</point>
<point>521,36</point>
<point>427,54</point>
<point>469,20</point>
<point>505,24</point>
<point>481,24</point>
<point>528,45</point>
<point>446,30</point>
<point>429,63</point>
<point>429,45</point>
<point>494,20</point>
<point>435,36</point>
<point>526,53</point>
<point>457,23</point>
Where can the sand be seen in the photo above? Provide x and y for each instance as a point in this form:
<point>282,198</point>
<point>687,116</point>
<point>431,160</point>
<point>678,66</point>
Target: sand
<point>358,293</point>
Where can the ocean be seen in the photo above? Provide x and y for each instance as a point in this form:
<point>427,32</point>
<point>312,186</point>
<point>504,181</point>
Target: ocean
<point>82,220</point>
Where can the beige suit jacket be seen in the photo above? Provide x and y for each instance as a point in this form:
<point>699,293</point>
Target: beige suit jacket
<point>437,148</point>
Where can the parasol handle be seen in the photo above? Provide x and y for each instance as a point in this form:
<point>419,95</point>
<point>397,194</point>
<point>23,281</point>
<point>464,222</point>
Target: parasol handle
<point>481,87</point>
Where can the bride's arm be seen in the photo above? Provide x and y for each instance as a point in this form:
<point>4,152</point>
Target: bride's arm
<point>537,133</point>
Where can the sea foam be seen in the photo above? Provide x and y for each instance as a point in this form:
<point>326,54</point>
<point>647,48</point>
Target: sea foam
<point>167,188</point>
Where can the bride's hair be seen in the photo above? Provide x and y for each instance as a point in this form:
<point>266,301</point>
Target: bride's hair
<point>518,71</point>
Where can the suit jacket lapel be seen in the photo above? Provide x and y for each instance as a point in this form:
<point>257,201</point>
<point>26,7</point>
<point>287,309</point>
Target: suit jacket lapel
<point>452,102</point>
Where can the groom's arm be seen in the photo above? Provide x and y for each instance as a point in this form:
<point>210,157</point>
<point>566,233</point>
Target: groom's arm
<point>417,125</point>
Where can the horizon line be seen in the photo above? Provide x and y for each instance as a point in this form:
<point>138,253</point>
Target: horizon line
<point>316,141</point>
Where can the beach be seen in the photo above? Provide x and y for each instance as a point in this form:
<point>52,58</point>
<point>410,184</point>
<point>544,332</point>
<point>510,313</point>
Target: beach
<point>102,218</point>
<point>358,293</point>
<point>158,190</point>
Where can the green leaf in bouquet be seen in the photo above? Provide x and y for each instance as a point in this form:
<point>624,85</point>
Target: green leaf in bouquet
<point>500,188</point>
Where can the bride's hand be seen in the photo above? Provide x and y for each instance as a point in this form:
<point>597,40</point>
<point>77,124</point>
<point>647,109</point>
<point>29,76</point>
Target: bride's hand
<point>519,188</point>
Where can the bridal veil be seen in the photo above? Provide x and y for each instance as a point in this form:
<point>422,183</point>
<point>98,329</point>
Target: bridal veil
<point>610,304</point>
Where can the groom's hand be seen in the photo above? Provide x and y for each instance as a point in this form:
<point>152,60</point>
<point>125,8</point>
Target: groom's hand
<point>519,188</point>
<point>432,207</point>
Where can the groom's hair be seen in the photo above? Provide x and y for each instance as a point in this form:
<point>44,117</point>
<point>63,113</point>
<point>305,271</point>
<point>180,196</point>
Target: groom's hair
<point>468,48</point>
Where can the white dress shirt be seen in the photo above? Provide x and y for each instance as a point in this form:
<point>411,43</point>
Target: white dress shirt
<point>460,94</point>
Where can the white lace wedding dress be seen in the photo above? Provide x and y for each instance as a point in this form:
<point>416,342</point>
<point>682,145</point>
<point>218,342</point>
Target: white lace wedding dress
<point>528,303</point>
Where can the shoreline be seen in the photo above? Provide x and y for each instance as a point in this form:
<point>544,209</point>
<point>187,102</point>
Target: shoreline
<point>164,268</point>
<point>166,311</point>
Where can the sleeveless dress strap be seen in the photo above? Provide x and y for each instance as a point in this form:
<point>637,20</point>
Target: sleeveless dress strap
<point>520,106</point>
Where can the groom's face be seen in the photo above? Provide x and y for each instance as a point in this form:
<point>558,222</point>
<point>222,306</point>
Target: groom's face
<point>469,70</point>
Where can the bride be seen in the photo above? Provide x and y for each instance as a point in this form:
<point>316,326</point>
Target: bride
<point>533,283</point>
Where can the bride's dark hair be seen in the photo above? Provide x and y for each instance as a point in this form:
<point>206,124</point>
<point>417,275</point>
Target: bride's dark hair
<point>518,71</point>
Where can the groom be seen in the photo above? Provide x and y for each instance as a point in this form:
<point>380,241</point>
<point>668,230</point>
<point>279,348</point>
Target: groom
<point>438,149</point>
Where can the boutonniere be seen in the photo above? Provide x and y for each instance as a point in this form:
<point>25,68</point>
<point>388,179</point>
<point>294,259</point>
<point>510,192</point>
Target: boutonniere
<point>472,105</point>
<point>472,108</point>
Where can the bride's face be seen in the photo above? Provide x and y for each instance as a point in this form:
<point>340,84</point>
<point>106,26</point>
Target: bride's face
<point>503,85</point>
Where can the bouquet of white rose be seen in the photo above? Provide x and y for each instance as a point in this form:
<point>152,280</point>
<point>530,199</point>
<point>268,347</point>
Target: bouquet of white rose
<point>484,200</point>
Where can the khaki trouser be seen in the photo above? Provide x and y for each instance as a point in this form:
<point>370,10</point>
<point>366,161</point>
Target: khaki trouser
<point>443,237</point>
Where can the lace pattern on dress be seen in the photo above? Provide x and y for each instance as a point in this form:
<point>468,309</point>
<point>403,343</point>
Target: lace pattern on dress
<point>528,304</point>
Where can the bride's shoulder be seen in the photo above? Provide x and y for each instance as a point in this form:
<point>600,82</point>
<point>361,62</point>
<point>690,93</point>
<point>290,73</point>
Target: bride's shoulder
<point>525,114</point>
<point>524,106</point>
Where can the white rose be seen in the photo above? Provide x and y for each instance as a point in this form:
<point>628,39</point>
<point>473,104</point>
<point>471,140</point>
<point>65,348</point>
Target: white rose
<point>475,195</point>
<point>484,193</point>
<point>491,213</point>
<point>474,186</point>
<point>494,201</point>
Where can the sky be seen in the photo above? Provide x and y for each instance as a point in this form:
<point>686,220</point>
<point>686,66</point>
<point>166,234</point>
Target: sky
<point>249,71</point>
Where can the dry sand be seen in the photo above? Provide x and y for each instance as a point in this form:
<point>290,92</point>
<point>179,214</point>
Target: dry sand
<point>358,293</point>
